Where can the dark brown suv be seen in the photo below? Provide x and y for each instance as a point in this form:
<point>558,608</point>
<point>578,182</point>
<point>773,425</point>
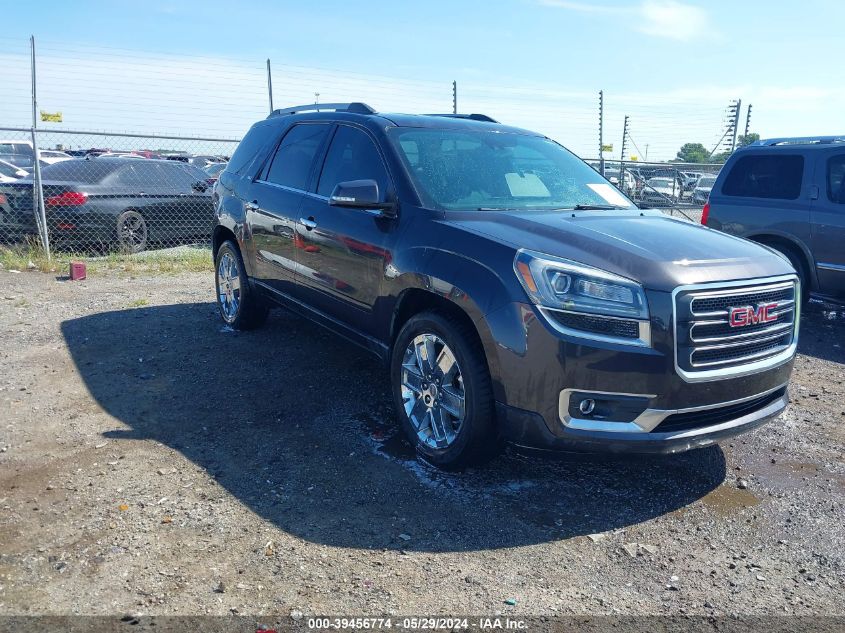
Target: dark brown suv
<point>512,291</point>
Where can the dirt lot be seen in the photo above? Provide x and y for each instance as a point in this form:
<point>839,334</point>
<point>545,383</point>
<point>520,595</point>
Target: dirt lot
<point>154,462</point>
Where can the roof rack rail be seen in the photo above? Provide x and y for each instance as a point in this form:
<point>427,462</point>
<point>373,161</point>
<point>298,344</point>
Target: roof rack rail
<point>801,140</point>
<point>354,107</point>
<point>474,117</point>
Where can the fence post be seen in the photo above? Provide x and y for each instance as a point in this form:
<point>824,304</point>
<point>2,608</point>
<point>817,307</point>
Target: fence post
<point>270,85</point>
<point>454,97</point>
<point>601,133</point>
<point>37,189</point>
<point>622,154</point>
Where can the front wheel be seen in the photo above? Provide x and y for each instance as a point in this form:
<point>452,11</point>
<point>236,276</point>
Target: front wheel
<point>240,308</point>
<point>442,391</point>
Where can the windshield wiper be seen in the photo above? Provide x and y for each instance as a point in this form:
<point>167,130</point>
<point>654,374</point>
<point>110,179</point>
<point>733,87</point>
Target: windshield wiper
<point>597,207</point>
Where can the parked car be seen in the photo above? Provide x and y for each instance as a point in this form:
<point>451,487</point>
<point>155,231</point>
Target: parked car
<point>10,172</point>
<point>204,160</point>
<point>49,156</point>
<point>702,189</point>
<point>512,291</point>
<point>630,182</point>
<point>789,194</point>
<point>118,202</point>
<point>661,191</point>
<point>18,153</point>
<point>213,171</point>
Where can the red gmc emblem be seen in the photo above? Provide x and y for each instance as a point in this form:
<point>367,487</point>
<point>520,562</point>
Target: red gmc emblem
<point>740,317</point>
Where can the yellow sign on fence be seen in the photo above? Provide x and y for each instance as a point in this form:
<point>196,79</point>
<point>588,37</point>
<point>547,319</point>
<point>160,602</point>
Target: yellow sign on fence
<point>607,148</point>
<point>55,117</point>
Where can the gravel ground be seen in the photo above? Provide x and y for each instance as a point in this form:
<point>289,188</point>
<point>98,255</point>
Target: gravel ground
<point>155,462</point>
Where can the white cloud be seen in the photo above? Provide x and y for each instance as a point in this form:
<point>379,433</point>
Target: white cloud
<point>669,19</point>
<point>673,20</point>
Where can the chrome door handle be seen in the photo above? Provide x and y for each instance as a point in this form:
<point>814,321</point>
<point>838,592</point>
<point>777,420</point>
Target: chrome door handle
<point>308,223</point>
<point>251,206</point>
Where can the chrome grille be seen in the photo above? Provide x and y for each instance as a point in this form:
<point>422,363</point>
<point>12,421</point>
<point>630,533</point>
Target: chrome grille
<point>708,345</point>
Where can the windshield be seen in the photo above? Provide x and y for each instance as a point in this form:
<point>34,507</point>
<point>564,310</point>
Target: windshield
<point>492,171</point>
<point>706,181</point>
<point>660,182</point>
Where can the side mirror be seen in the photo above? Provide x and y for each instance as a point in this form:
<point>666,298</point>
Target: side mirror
<point>200,185</point>
<point>360,194</point>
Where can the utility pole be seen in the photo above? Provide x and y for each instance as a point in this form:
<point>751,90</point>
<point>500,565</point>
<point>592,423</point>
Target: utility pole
<point>316,98</point>
<point>269,85</point>
<point>601,132</point>
<point>622,154</point>
<point>735,123</point>
<point>748,120</point>
<point>37,189</point>
<point>454,97</point>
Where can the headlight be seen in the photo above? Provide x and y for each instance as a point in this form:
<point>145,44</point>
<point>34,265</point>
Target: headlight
<point>588,300</point>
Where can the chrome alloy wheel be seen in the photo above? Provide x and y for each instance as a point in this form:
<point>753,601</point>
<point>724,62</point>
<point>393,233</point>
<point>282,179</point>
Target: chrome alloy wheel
<point>228,287</point>
<point>433,391</point>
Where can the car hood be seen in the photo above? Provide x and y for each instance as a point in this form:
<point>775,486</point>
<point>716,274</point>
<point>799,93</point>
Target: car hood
<point>650,247</point>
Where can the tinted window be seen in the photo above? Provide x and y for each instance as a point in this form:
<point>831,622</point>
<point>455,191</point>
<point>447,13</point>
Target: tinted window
<point>774,176</point>
<point>836,179</point>
<point>180,176</point>
<point>252,145</point>
<point>293,160</point>
<point>79,170</point>
<point>140,173</point>
<point>352,156</point>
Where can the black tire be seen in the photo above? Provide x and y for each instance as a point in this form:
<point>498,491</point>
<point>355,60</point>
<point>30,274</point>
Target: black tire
<point>800,268</point>
<point>476,439</point>
<point>132,231</point>
<point>251,310</point>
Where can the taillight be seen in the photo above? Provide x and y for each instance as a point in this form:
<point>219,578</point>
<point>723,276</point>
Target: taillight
<point>3,198</point>
<point>67,199</point>
<point>705,212</point>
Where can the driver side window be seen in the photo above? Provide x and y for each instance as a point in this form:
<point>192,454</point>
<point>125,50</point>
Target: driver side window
<point>352,156</point>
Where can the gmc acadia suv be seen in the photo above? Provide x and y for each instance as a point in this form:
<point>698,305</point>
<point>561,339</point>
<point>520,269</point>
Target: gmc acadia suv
<point>514,293</point>
<point>789,194</point>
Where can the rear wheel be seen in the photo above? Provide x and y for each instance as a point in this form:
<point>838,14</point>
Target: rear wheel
<point>240,308</point>
<point>131,232</point>
<point>442,392</point>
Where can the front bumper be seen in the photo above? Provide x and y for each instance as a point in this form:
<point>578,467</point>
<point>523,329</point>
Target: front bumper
<point>540,376</point>
<point>528,429</point>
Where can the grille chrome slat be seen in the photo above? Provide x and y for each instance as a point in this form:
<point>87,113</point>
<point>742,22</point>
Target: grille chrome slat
<point>709,347</point>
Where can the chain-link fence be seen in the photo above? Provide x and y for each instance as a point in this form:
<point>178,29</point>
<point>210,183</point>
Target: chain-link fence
<point>149,187</point>
<point>680,189</point>
<point>109,192</point>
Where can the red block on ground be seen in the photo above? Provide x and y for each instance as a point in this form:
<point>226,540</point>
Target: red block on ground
<point>77,271</point>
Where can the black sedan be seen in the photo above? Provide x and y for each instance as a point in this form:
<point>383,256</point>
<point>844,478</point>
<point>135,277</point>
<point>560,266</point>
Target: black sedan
<point>112,202</point>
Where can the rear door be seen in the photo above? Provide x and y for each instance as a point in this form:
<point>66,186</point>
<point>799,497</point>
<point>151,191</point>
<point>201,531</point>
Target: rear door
<point>191,213</point>
<point>828,222</point>
<point>764,193</point>
<point>274,202</point>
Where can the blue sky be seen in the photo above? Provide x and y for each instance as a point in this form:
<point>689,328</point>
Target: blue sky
<point>530,60</point>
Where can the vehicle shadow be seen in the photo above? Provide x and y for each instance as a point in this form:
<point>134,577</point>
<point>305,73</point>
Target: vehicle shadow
<point>297,424</point>
<point>822,333</point>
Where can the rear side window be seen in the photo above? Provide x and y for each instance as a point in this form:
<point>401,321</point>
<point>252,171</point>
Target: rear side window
<point>295,155</point>
<point>352,156</point>
<point>79,170</point>
<point>836,179</point>
<point>256,140</point>
<point>16,148</point>
<point>773,176</point>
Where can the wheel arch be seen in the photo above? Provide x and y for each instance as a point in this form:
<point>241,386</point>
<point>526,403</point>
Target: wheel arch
<point>781,242</point>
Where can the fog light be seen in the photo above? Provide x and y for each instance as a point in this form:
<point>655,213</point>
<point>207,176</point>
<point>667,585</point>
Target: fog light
<point>587,406</point>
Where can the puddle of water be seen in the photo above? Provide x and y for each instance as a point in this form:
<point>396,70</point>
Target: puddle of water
<point>726,500</point>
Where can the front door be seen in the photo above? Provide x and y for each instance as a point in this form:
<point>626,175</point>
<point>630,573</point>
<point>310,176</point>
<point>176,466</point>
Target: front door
<point>827,215</point>
<point>344,252</point>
